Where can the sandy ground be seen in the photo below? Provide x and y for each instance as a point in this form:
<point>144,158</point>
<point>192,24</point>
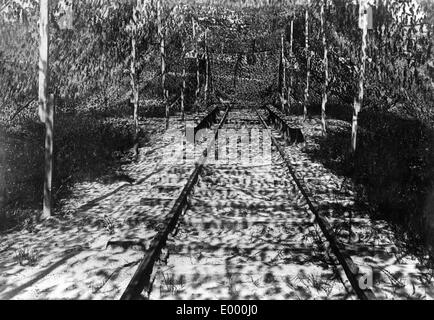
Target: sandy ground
<point>372,244</point>
<point>249,234</point>
<point>82,256</point>
<point>73,258</point>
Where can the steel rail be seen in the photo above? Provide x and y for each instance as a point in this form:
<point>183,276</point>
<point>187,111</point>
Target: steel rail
<point>350,268</point>
<point>141,278</point>
<point>207,120</point>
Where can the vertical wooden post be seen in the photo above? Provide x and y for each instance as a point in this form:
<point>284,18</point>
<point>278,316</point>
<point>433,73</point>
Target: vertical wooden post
<point>133,79</point>
<point>183,82</point>
<point>326,71</point>
<point>46,113</point>
<point>43,59</point>
<point>306,92</point>
<point>162,46</point>
<point>283,65</point>
<point>49,148</point>
<point>164,70</point>
<point>358,101</point>
<point>291,79</point>
<point>197,91</point>
<point>210,69</point>
<point>206,68</point>
<point>239,57</point>
<point>161,34</point>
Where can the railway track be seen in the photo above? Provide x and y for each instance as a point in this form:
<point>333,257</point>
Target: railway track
<point>244,227</point>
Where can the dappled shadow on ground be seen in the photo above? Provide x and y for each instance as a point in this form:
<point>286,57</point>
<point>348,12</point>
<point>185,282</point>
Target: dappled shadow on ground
<point>247,235</point>
<point>93,137</point>
<point>372,217</point>
<point>85,149</point>
<point>394,163</point>
<point>73,257</point>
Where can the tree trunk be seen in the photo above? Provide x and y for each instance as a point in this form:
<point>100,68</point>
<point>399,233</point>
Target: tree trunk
<point>196,94</point>
<point>291,79</point>
<point>183,82</point>
<point>164,75</point>
<point>210,67</point>
<point>133,78</point>
<point>237,67</point>
<point>161,34</point>
<point>235,74</point>
<point>283,70</point>
<point>358,101</point>
<point>326,72</point>
<point>206,69</point>
<point>46,113</point>
<point>306,92</point>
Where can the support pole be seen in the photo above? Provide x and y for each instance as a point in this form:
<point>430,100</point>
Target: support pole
<point>291,79</point>
<point>196,94</point>
<point>183,82</point>
<point>46,113</point>
<point>283,66</point>
<point>133,78</point>
<point>358,101</point>
<point>326,71</point>
<point>206,68</point>
<point>306,92</point>
<point>162,35</point>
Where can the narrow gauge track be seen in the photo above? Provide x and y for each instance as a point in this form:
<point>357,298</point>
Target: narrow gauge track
<point>250,230</point>
<point>349,267</point>
<point>142,275</point>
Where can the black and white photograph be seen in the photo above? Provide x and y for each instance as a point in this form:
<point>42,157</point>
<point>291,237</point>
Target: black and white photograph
<point>229,151</point>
